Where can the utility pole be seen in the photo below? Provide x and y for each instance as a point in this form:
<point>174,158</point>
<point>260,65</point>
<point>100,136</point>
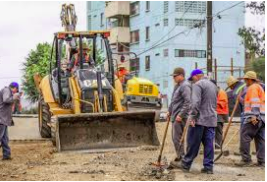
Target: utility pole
<point>209,38</point>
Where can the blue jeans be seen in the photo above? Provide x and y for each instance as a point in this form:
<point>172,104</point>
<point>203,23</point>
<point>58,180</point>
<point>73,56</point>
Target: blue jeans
<point>4,141</point>
<point>195,136</point>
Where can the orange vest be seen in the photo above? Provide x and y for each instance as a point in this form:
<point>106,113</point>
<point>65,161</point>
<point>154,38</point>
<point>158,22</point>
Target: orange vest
<point>222,102</point>
<point>255,98</point>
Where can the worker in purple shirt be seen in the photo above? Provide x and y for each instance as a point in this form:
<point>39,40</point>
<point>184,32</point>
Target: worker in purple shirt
<point>6,102</point>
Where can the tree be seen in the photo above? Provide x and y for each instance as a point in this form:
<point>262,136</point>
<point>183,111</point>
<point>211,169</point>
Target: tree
<point>258,66</point>
<point>37,61</point>
<point>254,40</point>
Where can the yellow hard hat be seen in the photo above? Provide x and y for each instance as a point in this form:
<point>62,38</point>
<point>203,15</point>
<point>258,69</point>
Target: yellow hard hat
<point>250,75</point>
<point>231,81</point>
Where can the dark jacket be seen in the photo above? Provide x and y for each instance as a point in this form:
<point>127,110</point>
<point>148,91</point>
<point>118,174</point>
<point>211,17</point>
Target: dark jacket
<point>6,100</point>
<point>181,99</point>
<point>204,103</point>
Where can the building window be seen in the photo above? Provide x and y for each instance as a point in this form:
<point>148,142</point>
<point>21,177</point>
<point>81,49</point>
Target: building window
<point>188,22</point>
<point>166,6</point>
<point>122,48</point>
<point>135,36</point>
<point>101,19</point>
<point>147,6</point>
<point>147,33</point>
<point>165,22</point>
<point>147,63</point>
<point>134,8</point>
<point>165,52</point>
<point>134,65</point>
<point>190,53</point>
<point>190,6</point>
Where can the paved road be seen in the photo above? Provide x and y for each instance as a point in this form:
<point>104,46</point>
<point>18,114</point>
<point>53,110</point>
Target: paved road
<point>24,129</point>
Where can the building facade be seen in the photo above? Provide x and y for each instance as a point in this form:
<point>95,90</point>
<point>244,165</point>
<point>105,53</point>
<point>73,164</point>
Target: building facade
<point>169,34</point>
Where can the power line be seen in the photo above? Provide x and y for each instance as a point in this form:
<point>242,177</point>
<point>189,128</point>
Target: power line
<point>227,8</point>
<point>174,23</point>
<point>170,30</point>
<point>180,33</point>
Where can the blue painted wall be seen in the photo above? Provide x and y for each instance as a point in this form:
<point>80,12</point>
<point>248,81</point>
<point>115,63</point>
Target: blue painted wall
<point>226,42</point>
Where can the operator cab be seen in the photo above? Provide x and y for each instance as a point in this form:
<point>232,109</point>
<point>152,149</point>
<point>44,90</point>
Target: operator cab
<point>82,67</point>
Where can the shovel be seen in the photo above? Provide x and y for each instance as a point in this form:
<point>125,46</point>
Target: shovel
<point>228,126</point>
<point>158,163</point>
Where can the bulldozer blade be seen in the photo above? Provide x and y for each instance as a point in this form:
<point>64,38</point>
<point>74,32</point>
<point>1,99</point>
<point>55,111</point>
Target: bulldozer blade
<point>104,130</point>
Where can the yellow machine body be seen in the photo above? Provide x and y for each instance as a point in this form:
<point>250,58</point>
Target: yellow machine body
<point>73,130</point>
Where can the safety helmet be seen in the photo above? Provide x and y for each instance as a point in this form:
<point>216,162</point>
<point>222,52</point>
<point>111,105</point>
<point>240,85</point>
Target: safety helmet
<point>231,81</point>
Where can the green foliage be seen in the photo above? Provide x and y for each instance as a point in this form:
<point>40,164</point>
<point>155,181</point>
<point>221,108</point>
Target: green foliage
<point>259,67</point>
<point>257,7</point>
<point>37,61</point>
<point>254,40</point>
<point>100,59</point>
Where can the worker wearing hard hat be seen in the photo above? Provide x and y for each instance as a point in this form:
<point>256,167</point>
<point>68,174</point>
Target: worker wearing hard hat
<point>6,102</point>
<point>75,59</point>
<point>254,121</point>
<point>237,87</point>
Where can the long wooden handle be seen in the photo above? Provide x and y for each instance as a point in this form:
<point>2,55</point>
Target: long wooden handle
<point>231,118</point>
<point>184,133</point>
<point>163,141</point>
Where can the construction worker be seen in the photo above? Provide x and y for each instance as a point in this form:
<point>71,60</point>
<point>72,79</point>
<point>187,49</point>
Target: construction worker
<point>203,121</point>
<point>238,87</point>
<point>222,115</point>
<point>254,121</point>
<point>121,73</point>
<point>6,102</point>
<point>75,58</point>
<point>178,110</point>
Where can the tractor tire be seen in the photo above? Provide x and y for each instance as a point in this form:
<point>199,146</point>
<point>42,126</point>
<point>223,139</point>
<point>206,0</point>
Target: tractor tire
<point>44,118</point>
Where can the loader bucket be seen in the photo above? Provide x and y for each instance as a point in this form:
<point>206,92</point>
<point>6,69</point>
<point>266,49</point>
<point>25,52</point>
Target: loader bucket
<point>104,130</point>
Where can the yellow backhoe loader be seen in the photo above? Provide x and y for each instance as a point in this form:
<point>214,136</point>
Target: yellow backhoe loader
<point>80,108</point>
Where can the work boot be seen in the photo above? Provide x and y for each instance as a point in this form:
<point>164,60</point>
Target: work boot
<point>178,159</point>
<point>260,164</point>
<point>6,158</point>
<point>243,163</point>
<point>207,171</point>
<point>178,165</point>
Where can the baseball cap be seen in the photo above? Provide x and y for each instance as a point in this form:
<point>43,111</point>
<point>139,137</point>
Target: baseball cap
<point>194,73</point>
<point>178,71</point>
<point>14,85</point>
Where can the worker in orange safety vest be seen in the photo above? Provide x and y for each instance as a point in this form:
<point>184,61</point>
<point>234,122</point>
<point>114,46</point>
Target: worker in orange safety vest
<point>222,114</point>
<point>254,121</point>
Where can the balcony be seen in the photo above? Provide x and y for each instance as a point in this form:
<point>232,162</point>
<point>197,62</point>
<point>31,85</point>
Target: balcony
<point>120,34</point>
<point>117,8</point>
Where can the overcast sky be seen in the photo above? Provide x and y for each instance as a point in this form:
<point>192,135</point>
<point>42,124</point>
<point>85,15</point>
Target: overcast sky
<point>25,24</point>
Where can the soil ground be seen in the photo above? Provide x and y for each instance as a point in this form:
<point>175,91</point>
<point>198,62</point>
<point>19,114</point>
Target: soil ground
<point>37,160</point>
